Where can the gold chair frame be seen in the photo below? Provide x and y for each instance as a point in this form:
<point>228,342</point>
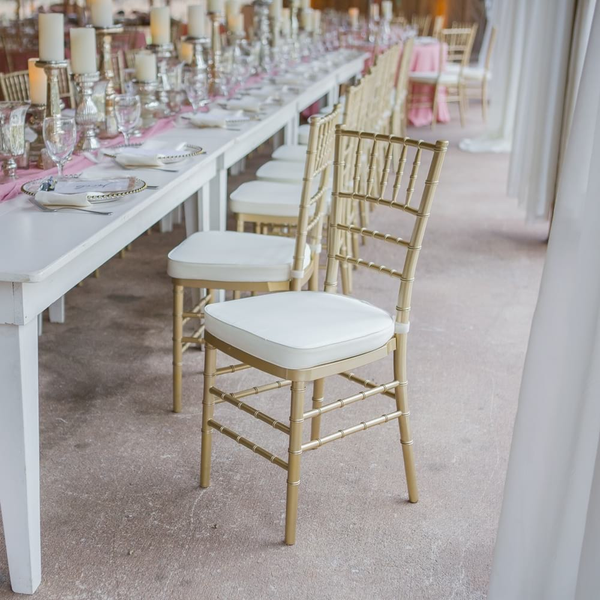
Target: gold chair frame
<point>422,23</point>
<point>319,156</point>
<point>297,379</point>
<point>15,86</point>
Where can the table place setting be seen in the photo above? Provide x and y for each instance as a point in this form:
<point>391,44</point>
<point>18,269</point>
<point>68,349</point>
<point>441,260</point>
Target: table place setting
<point>218,118</point>
<point>153,154</point>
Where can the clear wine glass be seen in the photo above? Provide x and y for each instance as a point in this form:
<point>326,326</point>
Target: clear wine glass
<point>127,111</point>
<point>60,135</point>
<point>195,88</point>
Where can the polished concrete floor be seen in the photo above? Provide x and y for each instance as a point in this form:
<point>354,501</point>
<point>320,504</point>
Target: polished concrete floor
<point>123,517</point>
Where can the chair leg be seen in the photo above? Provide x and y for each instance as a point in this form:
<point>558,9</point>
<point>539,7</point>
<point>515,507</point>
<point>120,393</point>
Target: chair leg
<point>484,100</point>
<point>313,282</point>
<point>462,104</point>
<point>208,405</point>
<point>177,345</point>
<point>317,402</point>
<point>239,223</point>
<point>434,109</point>
<point>404,422</point>
<point>294,454</point>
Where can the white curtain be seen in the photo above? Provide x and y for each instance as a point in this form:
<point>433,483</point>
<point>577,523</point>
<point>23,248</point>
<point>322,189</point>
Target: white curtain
<point>548,545</point>
<point>511,20</point>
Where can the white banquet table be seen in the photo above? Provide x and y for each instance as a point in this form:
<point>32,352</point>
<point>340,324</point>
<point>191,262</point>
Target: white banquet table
<point>44,255</point>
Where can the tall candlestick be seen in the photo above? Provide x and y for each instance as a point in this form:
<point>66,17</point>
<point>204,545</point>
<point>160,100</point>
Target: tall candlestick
<point>307,19</point>
<point>276,7</point>
<point>102,13</point>
<point>317,20</point>
<point>52,37</point>
<point>145,66</point>
<point>83,50</point>
<point>160,25</point>
<point>196,20</point>
<point>37,82</point>
<point>216,6</point>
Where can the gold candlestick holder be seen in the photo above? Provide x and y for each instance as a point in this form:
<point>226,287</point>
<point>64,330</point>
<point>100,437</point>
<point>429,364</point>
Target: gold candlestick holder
<point>86,115</point>
<point>215,87</point>
<point>163,54</point>
<point>108,129</point>
<point>52,69</point>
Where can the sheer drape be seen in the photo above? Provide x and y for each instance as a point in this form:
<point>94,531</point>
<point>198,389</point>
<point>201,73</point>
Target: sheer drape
<point>548,543</point>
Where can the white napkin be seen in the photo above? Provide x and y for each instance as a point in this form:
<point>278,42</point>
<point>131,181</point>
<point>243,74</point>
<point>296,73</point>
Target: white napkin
<point>56,199</point>
<point>291,80</point>
<point>247,104</point>
<point>216,118</point>
<point>135,158</point>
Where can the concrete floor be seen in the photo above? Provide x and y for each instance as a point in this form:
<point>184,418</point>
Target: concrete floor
<point>123,517</point>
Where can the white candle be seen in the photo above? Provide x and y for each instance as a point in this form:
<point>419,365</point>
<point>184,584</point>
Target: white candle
<point>83,50</point>
<point>232,10</point>
<point>236,23</point>
<point>286,24</point>
<point>387,9</point>
<point>37,82</point>
<point>216,6</point>
<point>145,66</point>
<point>305,4</point>
<point>307,19</point>
<point>196,19</point>
<point>317,20</point>
<point>353,14</point>
<point>160,25</point>
<point>102,13</point>
<point>275,9</point>
<point>375,11</point>
<point>52,36</point>
<point>186,52</point>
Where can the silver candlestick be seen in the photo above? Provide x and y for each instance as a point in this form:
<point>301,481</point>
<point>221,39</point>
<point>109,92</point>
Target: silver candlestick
<point>52,69</point>
<point>38,155</point>
<point>214,62</point>
<point>86,115</point>
<point>108,129</point>
<point>150,105</point>
<point>199,45</point>
<point>295,29</point>
<point>263,34</point>
<point>163,53</point>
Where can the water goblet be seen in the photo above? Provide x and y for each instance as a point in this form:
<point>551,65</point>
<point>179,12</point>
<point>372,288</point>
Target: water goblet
<point>195,88</point>
<point>128,109</point>
<point>12,134</point>
<point>60,136</point>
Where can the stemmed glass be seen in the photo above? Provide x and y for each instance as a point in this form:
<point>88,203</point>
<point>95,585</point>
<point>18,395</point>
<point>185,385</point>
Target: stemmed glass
<point>60,136</point>
<point>195,88</point>
<point>127,111</point>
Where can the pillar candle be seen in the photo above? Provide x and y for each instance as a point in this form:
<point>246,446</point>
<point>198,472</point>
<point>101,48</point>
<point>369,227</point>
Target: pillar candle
<point>102,13</point>
<point>317,20</point>
<point>216,6</point>
<point>160,25</point>
<point>37,82</point>
<point>232,9</point>
<point>353,14</point>
<point>305,4</point>
<point>275,9</point>
<point>387,10</point>
<point>186,52</point>
<point>237,23</point>
<point>52,36</point>
<point>196,19</point>
<point>307,19</point>
<point>286,24</point>
<point>83,50</point>
<point>145,66</point>
<point>375,11</point>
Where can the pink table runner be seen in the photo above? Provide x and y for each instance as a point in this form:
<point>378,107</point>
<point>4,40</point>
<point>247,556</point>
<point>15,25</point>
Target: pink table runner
<point>76,164</point>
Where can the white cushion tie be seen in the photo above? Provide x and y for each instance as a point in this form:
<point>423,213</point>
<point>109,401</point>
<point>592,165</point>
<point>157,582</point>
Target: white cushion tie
<point>400,328</point>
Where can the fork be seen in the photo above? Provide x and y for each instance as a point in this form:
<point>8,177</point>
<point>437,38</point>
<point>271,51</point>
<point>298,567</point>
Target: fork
<point>59,208</point>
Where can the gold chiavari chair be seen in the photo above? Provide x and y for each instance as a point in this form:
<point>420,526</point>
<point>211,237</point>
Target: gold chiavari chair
<point>458,44</point>
<point>301,337</point>
<point>476,79</point>
<point>15,86</point>
<point>421,24</point>
<point>400,111</point>
<point>230,260</point>
<point>438,25</point>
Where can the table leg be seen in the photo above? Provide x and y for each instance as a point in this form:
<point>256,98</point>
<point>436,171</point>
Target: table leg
<point>290,132</point>
<point>166,223</point>
<point>57,311</point>
<point>19,454</point>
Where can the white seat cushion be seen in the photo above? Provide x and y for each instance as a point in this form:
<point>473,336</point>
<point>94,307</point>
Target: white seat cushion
<point>290,153</point>
<point>474,73</point>
<point>432,77</point>
<point>281,171</point>
<point>230,256</point>
<point>300,330</point>
<point>270,198</point>
<point>303,133</point>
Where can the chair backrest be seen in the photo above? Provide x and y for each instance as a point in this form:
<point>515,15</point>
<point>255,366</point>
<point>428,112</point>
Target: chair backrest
<point>319,156</point>
<point>490,49</point>
<point>404,70</point>
<point>460,43</point>
<point>421,24</point>
<point>387,177</point>
<point>438,25</point>
<point>15,86</point>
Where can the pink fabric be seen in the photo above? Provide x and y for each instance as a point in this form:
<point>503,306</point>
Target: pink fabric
<point>75,165</point>
<point>426,58</point>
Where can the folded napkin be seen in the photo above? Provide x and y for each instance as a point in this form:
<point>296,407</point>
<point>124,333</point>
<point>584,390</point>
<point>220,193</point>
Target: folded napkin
<point>56,199</point>
<point>151,154</point>
<point>216,118</point>
<point>291,80</point>
<point>247,104</point>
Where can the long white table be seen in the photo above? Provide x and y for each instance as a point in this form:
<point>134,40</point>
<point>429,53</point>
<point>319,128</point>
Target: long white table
<point>44,255</point>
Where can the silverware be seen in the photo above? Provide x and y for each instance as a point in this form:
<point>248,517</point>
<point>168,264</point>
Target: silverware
<point>59,208</point>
